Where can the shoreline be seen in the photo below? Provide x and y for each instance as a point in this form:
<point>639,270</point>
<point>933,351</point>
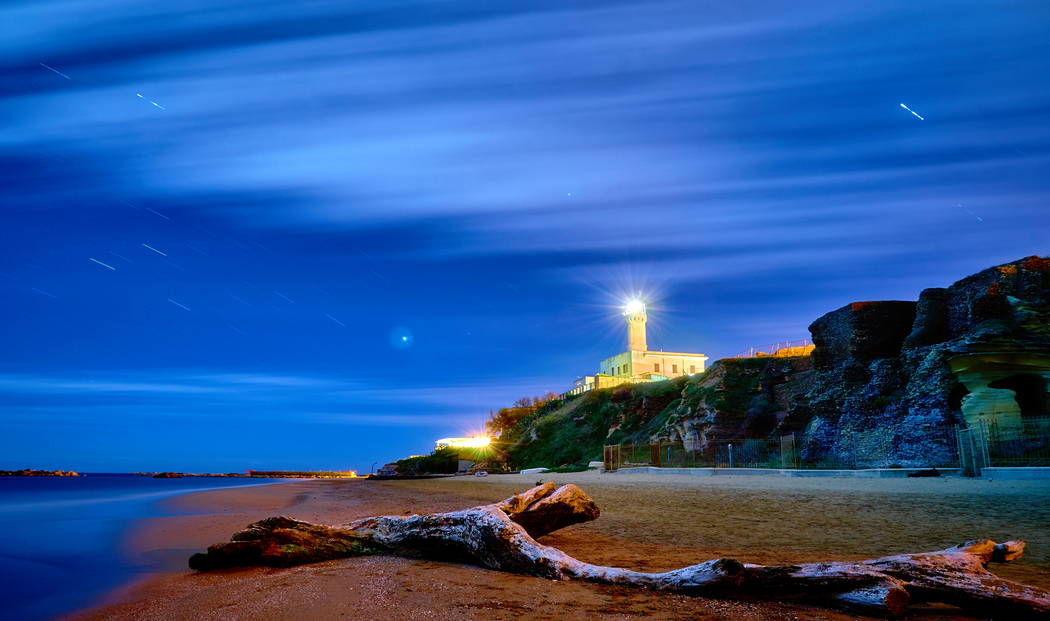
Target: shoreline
<point>60,536</point>
<point>648,523</point>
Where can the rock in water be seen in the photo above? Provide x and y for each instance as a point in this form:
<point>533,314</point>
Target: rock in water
<point>38,473</point>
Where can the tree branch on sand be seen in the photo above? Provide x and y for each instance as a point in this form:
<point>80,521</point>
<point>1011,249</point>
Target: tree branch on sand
<point>501,537</point>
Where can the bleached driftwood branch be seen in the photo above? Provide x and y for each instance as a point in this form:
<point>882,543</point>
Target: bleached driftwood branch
<point>501,537</point>
<point>285,542</point>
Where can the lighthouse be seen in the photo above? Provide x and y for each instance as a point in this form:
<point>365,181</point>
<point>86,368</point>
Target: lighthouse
<point>635,315</point>
<point>638,364</point>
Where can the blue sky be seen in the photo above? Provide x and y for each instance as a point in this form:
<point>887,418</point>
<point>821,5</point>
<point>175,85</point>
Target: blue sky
<point>321,235</point>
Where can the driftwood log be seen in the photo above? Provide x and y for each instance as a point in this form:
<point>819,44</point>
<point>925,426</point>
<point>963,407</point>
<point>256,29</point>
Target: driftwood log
<point>502,537</point>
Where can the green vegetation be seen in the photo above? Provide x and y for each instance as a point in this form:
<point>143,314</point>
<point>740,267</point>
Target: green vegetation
<point>571,469</point>
<point>442,460</point>
<point>550,432</point>
<point>572,432</point>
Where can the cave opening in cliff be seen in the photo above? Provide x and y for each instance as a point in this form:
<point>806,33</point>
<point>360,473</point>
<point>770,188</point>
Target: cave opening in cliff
<point>1029,392</point>
<point>955,397</point>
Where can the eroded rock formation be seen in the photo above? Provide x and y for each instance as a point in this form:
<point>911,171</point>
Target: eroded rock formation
<point>736,399</point>
<point>885,385</point>
<point>979,349</point>
<point>884,374</point>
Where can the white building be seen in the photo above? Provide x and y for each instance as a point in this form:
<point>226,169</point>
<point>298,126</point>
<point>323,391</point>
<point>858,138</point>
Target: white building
<point>638,364</point>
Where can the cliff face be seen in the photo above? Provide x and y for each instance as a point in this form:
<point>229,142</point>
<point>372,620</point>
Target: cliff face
<point>735,399</point>
<point>980,347</point>
<point>885,384</point>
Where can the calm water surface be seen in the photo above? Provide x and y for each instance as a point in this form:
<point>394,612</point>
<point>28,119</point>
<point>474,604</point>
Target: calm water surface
<point>59,536</point>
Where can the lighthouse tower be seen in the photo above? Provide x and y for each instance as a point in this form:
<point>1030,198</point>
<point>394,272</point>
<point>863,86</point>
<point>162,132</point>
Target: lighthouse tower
<point>638,364</point>
<point>635,315</point>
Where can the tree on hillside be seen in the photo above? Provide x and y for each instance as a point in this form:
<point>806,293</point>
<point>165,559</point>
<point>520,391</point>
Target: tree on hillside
<point>506,419</point>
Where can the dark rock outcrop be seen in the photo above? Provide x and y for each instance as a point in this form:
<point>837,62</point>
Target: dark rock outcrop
<point>861,332</point>
<point>889,372</point>
<point>735,399</point>
<point>26,472</point>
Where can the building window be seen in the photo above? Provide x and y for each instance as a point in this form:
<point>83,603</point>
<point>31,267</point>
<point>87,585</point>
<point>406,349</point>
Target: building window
<point>692,369</point>
<point>656,368</point>
<point>674,368</point>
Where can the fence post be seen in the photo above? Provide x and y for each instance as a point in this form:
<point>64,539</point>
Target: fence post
<point>973,455</point>
<point>984,445</point>
<point>959,450</point>
<point>787,451</point>
<point>612,458</point>
<point>966,453</point>
<point>654,455</point>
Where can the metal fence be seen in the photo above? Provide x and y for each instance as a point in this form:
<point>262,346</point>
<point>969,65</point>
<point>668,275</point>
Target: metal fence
<point>762,453</point>
<point>990,442</point>
<point>784,453</point>
<point>787,348</point>
<point>1004,442</point>
<point>1016,441</point>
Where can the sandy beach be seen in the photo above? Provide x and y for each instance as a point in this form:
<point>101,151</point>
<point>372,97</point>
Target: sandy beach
<point>648,523</point>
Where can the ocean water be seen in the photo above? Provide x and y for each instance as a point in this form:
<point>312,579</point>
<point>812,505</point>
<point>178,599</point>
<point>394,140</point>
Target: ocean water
<point>59,536</point>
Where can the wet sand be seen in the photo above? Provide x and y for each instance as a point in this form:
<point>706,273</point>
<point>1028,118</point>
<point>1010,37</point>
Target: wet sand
<point>648,523</point>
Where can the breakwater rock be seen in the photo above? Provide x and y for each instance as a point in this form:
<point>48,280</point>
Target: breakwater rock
<point>179,475</point>
<point>38,473</point>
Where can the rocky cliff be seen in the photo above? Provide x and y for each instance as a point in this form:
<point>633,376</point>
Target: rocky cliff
<point>899,370</point>
<point>885,385</point>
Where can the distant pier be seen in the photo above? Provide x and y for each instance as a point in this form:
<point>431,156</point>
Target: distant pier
<point>302,474</point>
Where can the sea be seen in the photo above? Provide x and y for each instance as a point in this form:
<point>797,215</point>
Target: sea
<point>60,536</point>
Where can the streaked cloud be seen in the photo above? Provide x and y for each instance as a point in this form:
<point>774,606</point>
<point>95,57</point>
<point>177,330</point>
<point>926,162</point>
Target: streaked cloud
<point>489,177</point>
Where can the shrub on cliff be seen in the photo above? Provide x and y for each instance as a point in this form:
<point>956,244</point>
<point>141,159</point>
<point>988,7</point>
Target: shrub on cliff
<point>575,430</point>
<point>443,460</point>
<point>506,419</point>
